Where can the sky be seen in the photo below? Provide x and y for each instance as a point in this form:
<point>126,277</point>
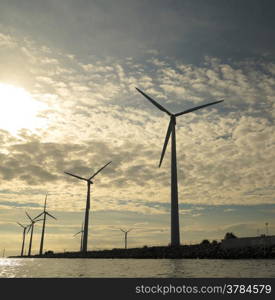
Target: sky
<point>68,103</point>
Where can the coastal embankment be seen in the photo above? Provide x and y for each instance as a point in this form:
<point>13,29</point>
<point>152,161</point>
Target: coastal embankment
<point>201,251</point>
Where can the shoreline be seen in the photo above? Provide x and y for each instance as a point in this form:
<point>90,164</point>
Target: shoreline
<point>200,251</point>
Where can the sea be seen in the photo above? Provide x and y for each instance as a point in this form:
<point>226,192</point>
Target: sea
<point>135,268</point>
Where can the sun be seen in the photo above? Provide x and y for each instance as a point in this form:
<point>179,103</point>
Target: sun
<point>18,109</point>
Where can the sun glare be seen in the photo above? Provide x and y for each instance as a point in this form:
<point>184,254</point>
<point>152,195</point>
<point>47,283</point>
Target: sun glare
<point>18,109</point>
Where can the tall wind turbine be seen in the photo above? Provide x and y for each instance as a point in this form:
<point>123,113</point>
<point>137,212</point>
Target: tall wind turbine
<point>44,213</point>
<point>31,226</point>
<point>175,234</point>
<point>86,221</point>
<point>125,236</point>
<point>81,241</point>
<point>24,235</point>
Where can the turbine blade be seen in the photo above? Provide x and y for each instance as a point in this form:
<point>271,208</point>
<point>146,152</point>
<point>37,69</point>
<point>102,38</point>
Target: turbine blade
<point>99,170</point>
<point>122,230</point>
<point>77,233</point>
<point>45,202</point>
<point>39,215</point>
<point>38,220</point>
<point>197,107</point>
<point>76,176</point>
<point>154,102</point>
<point>20,224</point>
<point>51,215</point>
<point>169,130</point>
<point>28,216</point>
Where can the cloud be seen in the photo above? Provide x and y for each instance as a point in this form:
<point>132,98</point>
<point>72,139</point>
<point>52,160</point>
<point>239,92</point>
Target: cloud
<point>7,41</point>
<point>95,115</point>
<point>83,60</point>
<point>9,204</point>
<point>229,209</point>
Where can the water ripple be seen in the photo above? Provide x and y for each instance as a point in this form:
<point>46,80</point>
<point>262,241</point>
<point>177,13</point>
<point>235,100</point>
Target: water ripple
<point>123,268</point>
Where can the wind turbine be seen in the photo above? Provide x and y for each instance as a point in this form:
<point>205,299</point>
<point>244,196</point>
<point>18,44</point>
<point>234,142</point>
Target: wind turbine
<point>175,234</point>
<point>44,213</point>
<point>24,235</point>
<point>125,235</point>
<point>86,222</point>
<point>81,241</point>
<point>31,226</point>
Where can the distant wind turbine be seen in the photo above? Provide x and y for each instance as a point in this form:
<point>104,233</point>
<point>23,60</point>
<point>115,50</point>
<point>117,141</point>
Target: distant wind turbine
<point>86,222</point>
<point>44,213</point>
<point>31,227</point>
<point>125,236</point>
<point>175,234</point>
<point>81,241</point>
<point>24,235</point>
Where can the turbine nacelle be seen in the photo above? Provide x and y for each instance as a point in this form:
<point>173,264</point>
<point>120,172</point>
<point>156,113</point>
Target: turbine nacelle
<point>45,211</point>
<point>24,227</point>
<point>126,231</point>
<point>88,180</point>
<point>79,177</point>
<point>33,221</point>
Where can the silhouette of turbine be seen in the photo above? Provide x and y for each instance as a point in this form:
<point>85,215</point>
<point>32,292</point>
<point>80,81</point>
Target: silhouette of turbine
<point>125,236</point>
<point>24,235</point>
<point>44,213</point>
<point>86,221</point>
<point>31,226</point>
<point>175,234</point>
<point>81,241</point>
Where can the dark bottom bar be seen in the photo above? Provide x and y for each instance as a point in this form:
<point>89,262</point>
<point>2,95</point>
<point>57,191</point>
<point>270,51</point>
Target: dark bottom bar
<point>137,288</point>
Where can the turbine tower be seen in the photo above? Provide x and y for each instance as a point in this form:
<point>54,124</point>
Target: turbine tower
<point>31,226</point>
<point>125,236</point>
<point>175,233</point>
<point>44,213</point>
<point>86,221</point>
<point>81,241</point>
<point>24,235</point>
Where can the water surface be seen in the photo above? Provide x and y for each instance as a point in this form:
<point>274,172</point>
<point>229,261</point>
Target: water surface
<point>171,268</point>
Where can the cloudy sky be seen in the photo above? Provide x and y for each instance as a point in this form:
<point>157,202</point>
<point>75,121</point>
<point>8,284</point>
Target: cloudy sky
<point>68,103</point>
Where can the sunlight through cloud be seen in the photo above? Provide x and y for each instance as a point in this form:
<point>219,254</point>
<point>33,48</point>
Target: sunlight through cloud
<point>18,109</point>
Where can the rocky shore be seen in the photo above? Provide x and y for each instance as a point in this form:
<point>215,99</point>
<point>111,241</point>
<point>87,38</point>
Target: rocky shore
<point>202,251</point>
